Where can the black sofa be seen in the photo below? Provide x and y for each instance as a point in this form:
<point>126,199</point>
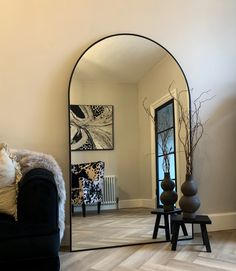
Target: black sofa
<point>32,242</point>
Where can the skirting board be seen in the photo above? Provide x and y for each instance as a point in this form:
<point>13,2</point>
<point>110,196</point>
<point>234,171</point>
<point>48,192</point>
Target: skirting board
<point>222,221</point>
<point>137,203</point>
<point>94,207</point>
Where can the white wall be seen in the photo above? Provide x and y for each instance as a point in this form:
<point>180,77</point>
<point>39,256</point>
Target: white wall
<point>41,40</point>
<point>123,160</point>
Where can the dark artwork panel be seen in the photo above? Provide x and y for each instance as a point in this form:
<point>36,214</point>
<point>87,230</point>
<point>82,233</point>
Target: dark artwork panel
<point>91,127</point>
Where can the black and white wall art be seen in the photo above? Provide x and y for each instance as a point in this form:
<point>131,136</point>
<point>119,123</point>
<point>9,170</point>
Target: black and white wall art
<point>91,127</point>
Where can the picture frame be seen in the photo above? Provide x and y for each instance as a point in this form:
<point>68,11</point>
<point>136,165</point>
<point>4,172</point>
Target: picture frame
<point>91,127</point>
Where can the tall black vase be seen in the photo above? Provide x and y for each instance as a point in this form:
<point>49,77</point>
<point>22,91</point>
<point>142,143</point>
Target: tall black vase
<point>168,196</point>
<point>189,202</point>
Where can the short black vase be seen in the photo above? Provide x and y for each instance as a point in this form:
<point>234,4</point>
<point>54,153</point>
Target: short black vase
<point>168,196</point>
<point>189,202</point>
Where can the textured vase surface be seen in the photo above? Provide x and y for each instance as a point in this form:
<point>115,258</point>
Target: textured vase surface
<point>189,202</point>
<point>168,196</point>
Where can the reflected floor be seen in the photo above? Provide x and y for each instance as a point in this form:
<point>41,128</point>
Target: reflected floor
<point>114,228</point>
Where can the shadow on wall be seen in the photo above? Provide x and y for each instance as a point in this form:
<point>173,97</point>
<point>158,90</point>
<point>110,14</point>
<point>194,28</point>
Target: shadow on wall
<point>214,160</point>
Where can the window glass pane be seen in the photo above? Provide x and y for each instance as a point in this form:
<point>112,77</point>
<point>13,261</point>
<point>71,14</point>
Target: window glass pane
<point>160,170</point>
<point>175,185</point>
<point>165,118</point>
<point>165,142</point>
<point>166,139</point>
<point>160,190</point>
<point>172,167</point>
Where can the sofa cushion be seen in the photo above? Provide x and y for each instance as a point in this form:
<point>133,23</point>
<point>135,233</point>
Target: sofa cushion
<point>6,218</point>
<point>7,168</point>
<point>10,175</point>
<point>8,200</point>
<point>31,264</point>
<point>19,241</point>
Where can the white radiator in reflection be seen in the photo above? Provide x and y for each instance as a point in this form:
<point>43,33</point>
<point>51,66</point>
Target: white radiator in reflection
<point>110,191</point>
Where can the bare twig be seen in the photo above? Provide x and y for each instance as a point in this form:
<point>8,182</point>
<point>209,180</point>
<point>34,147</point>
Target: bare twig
<point>190,124</point>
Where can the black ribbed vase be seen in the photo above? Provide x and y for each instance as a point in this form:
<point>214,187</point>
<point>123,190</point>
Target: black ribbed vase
<point>168,196</point>
<point>189,202</point>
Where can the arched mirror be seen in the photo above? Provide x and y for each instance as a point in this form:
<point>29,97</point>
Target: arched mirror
<point>112,139</point>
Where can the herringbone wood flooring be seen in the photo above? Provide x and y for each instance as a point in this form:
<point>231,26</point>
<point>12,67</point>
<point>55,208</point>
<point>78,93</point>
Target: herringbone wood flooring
<point>189,256</point>
<point>113,227</point>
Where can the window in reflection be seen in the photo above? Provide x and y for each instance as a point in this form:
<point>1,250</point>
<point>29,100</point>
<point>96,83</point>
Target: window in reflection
<point>165,142</point>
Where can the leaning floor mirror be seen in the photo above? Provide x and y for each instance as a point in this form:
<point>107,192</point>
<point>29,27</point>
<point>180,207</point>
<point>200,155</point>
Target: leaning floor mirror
<point>115,163</point>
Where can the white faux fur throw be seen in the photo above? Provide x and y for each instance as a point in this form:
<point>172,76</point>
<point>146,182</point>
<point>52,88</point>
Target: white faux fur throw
<point>29,160</point>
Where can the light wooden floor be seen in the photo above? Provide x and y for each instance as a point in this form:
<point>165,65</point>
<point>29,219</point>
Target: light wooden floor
<point>115,227</point>
<point>190,255</point>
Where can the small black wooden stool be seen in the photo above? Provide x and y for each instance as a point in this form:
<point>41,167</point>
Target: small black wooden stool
<point>178,221</point>
<point>159,212</point>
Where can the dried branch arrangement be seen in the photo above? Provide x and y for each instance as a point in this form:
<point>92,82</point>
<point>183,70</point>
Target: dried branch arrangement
<point>191,128</point>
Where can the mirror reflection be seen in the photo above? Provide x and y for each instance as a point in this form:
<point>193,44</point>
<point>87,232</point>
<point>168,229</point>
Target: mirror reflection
<point>116,166</point>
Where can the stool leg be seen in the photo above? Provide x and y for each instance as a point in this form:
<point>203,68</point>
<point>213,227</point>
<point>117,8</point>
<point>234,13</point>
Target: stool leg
<point>192,231</point>
<point>205,237</point>
<point>175,236</point>
<point>84,210</point>
<point>184,229</point>
<point>157,223</point>
<point>171,223</point>
<point>167,228</point>
<point>99,207</point>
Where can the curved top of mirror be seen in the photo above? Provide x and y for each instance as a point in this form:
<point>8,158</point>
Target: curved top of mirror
<point>124,58</point>
<point>118,73</point>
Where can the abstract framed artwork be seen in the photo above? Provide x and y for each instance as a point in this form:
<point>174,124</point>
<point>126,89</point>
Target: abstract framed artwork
<point>91,127</point>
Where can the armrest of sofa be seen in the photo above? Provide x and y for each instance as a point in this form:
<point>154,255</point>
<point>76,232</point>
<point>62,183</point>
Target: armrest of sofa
<point>37,201</point>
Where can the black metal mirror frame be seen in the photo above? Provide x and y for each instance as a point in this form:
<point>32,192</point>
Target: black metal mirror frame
<point>70,178</point>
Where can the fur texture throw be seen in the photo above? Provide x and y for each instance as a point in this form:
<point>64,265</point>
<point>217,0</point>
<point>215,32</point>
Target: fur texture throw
<point>29,160</point>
